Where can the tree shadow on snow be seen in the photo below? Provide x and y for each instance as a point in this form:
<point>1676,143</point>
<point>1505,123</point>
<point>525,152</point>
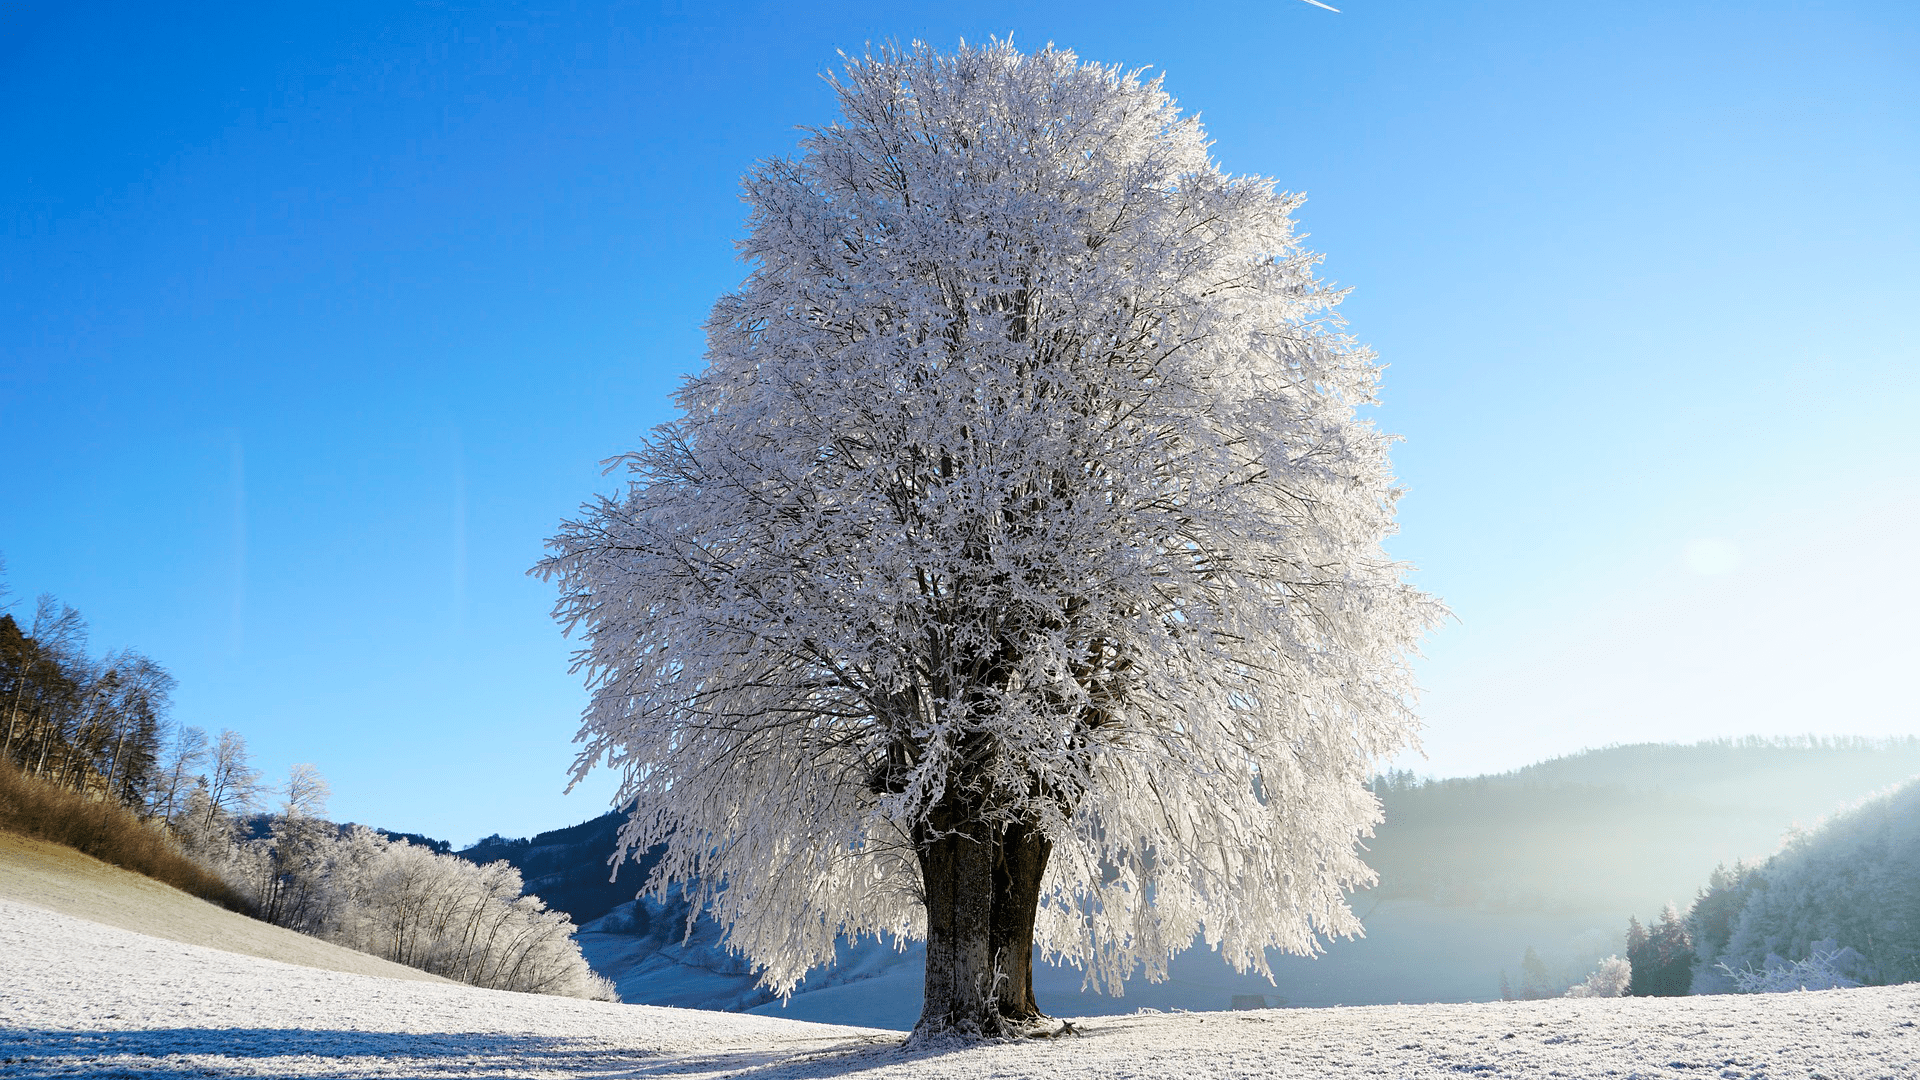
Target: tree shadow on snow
<point>33,1054</point>
<point>784,1061</point>
<point>160,1052</point>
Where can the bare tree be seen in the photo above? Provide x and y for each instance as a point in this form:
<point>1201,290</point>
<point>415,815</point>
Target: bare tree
<point>143,692</point>
<point>232,783</point>
<point>39,671</point>
<point>178,773</point>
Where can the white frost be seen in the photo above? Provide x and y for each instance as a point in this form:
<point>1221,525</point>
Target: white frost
<point>81,999</point>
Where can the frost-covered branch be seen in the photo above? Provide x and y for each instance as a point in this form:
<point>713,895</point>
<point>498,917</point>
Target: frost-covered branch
<point>1023,505</point>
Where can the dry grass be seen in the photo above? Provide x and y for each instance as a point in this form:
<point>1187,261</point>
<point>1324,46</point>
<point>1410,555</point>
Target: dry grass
<point>108,832</point>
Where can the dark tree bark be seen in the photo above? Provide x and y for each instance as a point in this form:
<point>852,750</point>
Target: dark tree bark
<point>956,870</point>
<point>982,893</point>
<point>1020,863</point>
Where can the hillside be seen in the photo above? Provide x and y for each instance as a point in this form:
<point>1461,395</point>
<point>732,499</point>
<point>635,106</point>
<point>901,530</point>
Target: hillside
<point>62,880</point>
<point>1474,872</point>
<point>1625,829</point>
<point>85,999</point>
<point>571,868</point>
<point>1850,887</point>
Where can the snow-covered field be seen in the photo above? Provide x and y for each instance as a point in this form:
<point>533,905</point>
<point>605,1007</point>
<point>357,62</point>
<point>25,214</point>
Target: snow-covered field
<point>79,998</point>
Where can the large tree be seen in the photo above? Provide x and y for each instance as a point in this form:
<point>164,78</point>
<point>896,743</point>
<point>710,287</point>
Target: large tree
<point>1013,575</point>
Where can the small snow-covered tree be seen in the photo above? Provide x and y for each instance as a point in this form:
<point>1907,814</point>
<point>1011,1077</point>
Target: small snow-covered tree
<point>291,863</point>
<point>1610,979</point>
<point>1014,574</point>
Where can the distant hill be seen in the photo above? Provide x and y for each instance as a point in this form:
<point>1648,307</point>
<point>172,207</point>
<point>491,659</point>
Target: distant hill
<point>1625,828</point>
<point>571,868</point>
<point>1474,873</point>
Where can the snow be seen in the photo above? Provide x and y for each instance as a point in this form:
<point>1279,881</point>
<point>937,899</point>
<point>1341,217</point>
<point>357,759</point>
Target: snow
<point>82,999</point>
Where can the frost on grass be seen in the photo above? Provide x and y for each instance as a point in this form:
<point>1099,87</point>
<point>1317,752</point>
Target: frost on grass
<point>81,999</point>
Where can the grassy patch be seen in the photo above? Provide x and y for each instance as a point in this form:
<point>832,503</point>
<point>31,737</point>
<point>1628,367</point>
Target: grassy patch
<point>108,832</point>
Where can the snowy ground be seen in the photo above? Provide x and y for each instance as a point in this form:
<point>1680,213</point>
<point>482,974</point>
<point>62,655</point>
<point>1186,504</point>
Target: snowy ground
<point>61,879</point>
<point>81,999</point>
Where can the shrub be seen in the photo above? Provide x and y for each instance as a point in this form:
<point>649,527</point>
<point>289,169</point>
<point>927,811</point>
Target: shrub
<point>108,832</point>
<point>1831,967</point>
<point>1610,980</point>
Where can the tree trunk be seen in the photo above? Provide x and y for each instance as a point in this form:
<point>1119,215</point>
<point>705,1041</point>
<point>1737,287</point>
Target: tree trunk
<point>982,893</point>
<point>1020,862</point>
<point>956,870</point>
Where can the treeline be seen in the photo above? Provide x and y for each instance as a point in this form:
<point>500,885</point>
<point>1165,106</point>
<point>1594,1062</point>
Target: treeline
<point>93,760</point>
<point>1837,906</point>
<point>386,896</point>
<point>85,723</point>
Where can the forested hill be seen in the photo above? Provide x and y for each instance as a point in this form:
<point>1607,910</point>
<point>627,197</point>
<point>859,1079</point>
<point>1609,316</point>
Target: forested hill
<point>1620,828</point>
<point>1626,827</point>
<point>1527,876</point>
<point>571,868</point>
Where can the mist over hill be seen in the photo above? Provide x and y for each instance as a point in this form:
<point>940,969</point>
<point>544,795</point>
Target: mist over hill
<point>1626,827</point>
<point>1474,873</point>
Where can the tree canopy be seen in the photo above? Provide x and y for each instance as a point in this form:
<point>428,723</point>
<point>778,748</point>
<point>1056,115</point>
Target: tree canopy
<point>1019,540</point>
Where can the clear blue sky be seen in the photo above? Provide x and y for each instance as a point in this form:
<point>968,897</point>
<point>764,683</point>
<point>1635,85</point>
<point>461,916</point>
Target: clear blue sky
<point>315,321</point>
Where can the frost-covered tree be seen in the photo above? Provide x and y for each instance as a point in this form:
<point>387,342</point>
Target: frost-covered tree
<point>446,915</point>
<point>1853,882</point>
<point>1610,979</point>
<point>1711,920</point>
<point>1014,572</point>
<point>290,867</point>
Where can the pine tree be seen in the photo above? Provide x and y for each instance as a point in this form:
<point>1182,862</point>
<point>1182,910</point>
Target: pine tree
<point>1672,948</point>
<point>1641,956</point>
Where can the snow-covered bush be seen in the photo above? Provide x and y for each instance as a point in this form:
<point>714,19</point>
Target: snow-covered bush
<point>1610,979</point>
<point>396,900</point>
<point>1827,969</point>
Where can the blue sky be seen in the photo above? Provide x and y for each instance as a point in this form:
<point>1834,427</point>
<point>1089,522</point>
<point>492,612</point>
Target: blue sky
<point>315,323</point>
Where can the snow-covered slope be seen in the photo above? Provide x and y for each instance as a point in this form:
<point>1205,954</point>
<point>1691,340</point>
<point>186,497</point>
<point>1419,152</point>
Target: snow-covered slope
<point>64,880</point>
<point>82,999</point>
